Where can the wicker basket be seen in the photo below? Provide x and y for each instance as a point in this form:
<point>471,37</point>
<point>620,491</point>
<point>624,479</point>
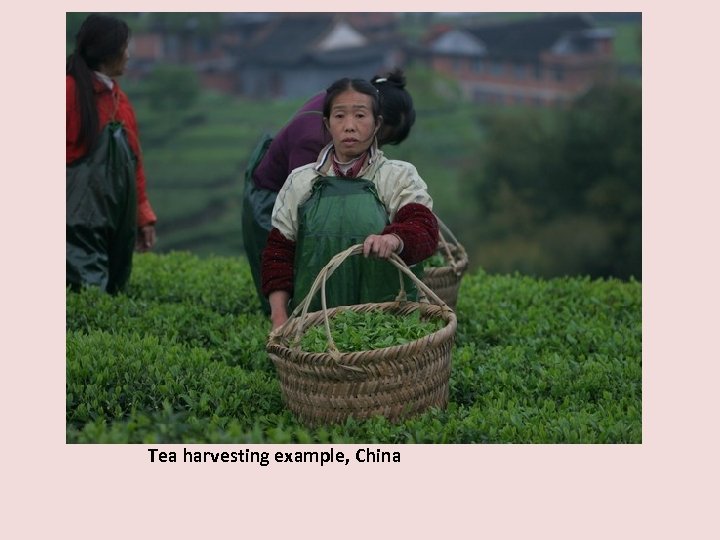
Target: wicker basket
<point>445,280</point>
<point>395,382</point>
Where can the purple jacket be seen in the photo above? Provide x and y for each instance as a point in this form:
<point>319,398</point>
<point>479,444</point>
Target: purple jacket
<point>296,144</point>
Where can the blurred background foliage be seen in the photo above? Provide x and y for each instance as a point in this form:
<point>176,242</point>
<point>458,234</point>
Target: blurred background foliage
<point>545,192</point>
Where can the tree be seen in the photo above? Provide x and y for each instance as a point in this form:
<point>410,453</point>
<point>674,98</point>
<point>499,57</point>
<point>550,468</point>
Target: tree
<point>560,191</point>
<point>603,151</point>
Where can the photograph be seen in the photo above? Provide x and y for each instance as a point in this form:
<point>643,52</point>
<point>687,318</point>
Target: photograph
<point>354,228</point>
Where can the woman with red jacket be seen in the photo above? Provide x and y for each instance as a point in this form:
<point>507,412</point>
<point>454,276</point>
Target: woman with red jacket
<point>107,209</point>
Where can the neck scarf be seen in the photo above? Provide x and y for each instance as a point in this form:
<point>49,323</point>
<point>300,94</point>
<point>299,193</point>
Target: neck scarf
<point>354,169</point>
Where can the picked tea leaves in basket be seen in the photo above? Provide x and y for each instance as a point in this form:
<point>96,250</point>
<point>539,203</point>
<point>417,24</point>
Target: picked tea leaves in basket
<point>398,367</point>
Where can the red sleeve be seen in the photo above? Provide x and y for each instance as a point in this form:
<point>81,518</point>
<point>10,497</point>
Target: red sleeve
<point>145,213</point>
<point>417,227</point>
<point>72,122</point>
<point>278,260</point>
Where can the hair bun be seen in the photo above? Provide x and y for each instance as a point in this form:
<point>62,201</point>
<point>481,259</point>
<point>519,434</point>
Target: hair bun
<point>395,77</point>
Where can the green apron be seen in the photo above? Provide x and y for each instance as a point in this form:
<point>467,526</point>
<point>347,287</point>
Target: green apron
<point>101,213</point>
<point>257,213</point>
<point>340,213</point>
<point>256,218</point>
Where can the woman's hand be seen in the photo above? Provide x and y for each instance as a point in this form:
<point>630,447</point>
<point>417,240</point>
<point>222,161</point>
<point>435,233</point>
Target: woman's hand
<point>145,239</point>
<point>278,319</point>
<point>381,245</point>
<point>278,307</point>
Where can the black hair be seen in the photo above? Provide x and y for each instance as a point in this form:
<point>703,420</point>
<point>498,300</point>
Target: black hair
<point>359,85</point>
<point>396,105</point>
<point>101,39</point>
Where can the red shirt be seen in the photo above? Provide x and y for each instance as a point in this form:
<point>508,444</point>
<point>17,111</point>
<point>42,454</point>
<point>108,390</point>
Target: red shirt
<point>111,105</point>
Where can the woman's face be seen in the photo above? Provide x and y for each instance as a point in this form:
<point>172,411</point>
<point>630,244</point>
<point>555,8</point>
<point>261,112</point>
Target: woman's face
<point>116,67</point>
<point>351,124</point>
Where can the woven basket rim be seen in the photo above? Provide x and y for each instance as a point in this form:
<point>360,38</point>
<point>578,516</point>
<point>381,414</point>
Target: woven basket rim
<point>461,264</point>
<point>441,270</point>
<point>359,359</point>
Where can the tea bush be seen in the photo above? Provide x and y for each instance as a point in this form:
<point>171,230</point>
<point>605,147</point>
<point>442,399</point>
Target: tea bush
<point>180,357</point>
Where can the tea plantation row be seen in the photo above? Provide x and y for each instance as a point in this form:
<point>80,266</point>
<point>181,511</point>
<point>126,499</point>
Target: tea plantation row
<point>180,357</point>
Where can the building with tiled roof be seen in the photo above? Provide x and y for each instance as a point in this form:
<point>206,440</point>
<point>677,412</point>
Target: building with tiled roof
<point>274,55</point>
<point>545,60</point>
<point>300,54</point>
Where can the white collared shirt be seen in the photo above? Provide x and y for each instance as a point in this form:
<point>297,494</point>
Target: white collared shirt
<point>107,81</point>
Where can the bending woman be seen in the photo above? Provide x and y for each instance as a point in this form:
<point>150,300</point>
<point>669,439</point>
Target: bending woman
<point>107,210</point>
<point>352,193</point>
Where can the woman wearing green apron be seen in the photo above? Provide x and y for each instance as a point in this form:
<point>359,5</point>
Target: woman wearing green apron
<point>298,143</point>
<point>351,194</point>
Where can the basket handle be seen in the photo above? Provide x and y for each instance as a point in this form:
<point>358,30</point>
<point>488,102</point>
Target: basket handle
<point>327,271</point>
<point>445,229</point>
<point>446,249</point>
